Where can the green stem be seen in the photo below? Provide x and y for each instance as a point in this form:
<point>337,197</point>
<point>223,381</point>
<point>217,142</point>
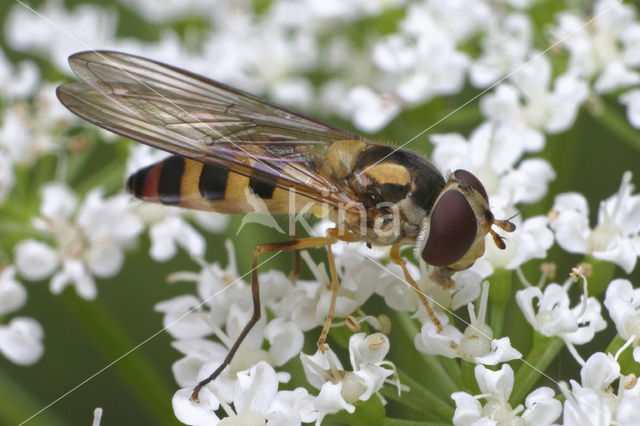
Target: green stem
<point>78,161</point>
<point>146,385</point>
<point>499,294</point>
<point>17,405</point>
<point>469,377</point>
<point>421,399</point>
<point>618,125</point>
<point>543,352</point>
<point>437,370</point>
<point>453,369</point>
<point>497,318</point>
<point>601,274</point>
<point>627,364</point>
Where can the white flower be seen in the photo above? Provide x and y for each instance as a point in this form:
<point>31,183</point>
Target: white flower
<point>371,111</point>
<point>307,303</point>
<point>616,238</point>
<point>632,100</point>
<point>528,107</point>
<point>168,230</point>
<point>493,160</point>
<point>7,176</point>
<point>13,295</point>
<point>495,387</point>
<point>256,401</point>
<point>30,130</point>
<point>594,401</point>
<point>17,81</point>
<point>223,308</point>
<point>554,111</point>
<point>196,353</point>
<point>531,240</point>
<point>527,183</point>
<point>623,303</point>
<point>203,357</point>
<point>97,417</point>
<point>555,317</point>
<point>476,344</point>
<point>423,53</point>
<point>340,388</point>
<point>336,9</point>
<point>74,272</point>
<point>505,46</point>
<point>86,25</point>
<point>604,47</point>
<point>89,240</point>
<point>21,340</point>
<point>296,92</point>
<point>173,231</point>
<point>467,289</point>
<point>59,202</point>
<point>182,317</point>
<point>141,156</point>
<point>196,413</point>
<point>35,260</point>
<point>460,19</point>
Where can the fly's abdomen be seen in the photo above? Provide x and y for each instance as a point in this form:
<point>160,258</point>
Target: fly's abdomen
<point>182,182</point>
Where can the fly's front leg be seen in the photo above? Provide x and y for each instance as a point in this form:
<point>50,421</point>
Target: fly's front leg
<point>255,289</point>
<point>395,256</point>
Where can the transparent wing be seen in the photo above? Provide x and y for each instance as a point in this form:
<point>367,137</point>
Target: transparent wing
<point>192,116</point>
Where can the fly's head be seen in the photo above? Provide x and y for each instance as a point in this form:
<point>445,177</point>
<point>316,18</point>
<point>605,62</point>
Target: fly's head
<point>453,234</point>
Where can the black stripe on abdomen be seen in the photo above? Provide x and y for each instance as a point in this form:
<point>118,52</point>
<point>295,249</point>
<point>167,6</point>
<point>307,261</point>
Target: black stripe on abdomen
<point>261,188</point>
<point>213,182</point>
<point>136,182</point>
<point>171,180</point>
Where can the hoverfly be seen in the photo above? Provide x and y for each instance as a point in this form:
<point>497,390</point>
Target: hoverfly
<point>226,141</point>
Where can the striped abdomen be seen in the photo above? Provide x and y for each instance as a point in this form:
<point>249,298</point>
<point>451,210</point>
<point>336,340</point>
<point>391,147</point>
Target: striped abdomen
<point>182,182</point>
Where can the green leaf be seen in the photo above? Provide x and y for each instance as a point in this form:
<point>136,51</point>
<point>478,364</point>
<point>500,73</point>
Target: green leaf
<point>144,382</point>
<point>17,405</point>
<point>368,413</point>
<point>544,351</point>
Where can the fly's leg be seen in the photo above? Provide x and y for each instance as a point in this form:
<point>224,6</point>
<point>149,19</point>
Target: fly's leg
<point>332,236</point>
<point>255,289</point>
<point>395,256</point>
<point>297,261</point>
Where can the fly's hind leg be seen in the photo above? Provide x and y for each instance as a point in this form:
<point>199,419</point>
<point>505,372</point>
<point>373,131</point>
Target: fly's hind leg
<point>395,256</point>
<point>332,237</point>
<point>255,289</point>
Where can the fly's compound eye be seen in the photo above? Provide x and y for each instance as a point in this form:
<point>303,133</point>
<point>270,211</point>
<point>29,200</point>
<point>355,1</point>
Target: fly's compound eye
<point>452,230</point>
<point>469,179</point>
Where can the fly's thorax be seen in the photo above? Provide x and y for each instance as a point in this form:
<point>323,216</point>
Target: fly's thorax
<point>396,187</point>
<point>453,234</point>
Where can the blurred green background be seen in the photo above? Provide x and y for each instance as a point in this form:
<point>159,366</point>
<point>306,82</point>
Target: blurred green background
<point>82,338</point>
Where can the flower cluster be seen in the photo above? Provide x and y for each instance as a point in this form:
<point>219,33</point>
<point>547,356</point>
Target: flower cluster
<point>513,77</point>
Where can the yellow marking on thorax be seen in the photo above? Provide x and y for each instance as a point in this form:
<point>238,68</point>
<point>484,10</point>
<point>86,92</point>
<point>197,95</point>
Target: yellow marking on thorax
<point>389,173</point>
